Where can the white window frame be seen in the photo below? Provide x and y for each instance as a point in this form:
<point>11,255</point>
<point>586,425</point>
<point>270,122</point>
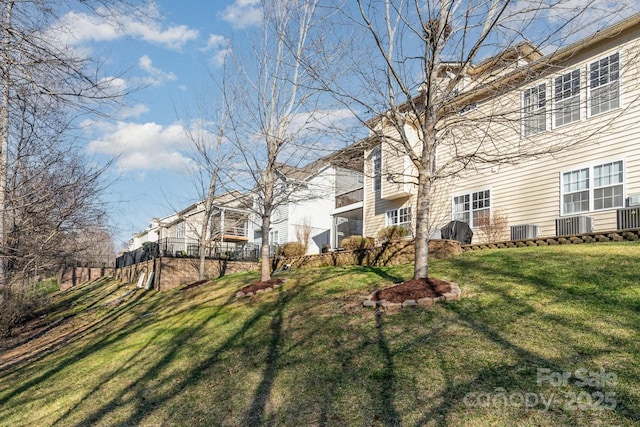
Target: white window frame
<point>273,237</point>
<point>531,111</point>
<point>376,169</point>
<point>593,186</point>
<point>473,199</point>
<point>181,228</point>
<point>567,99</point>
<point>612,82</point>
<point>400,216</point>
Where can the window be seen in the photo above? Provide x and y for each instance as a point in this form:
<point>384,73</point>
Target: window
<point>401,217</point>
<point>472,208</point>
<point>273,237</point>
<point>376,168</point>
<point>575,186</point>
<point>567,98</point>
<point>534,104</point>
<point>180,230</point>
<point>596,188</point>
<point>604,77</point>
<point>607,186</point>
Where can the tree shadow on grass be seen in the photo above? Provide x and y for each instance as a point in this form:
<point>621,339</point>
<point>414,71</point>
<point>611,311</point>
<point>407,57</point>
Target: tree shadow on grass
<point>520,308</point>
<point>255,414</point>
<point>390,415</point>
<point>175,385</point>
<point>383,274</point>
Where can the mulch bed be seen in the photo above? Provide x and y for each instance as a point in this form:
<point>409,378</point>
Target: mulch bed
<point>413,289</point>
<point>254,287</point>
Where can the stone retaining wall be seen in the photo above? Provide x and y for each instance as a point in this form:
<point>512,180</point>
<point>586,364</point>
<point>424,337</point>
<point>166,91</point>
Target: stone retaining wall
<point>393,253</point>
<point>170,273</point>
<point>607,236</point>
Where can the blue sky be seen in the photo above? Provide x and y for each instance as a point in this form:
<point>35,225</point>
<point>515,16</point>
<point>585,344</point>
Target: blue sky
<point>165,60</point>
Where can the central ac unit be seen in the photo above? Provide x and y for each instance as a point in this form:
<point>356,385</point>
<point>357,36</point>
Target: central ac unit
<point>633,200</point>
<point>524,231</point>
<point>628,218</point>
<point>573,225</point>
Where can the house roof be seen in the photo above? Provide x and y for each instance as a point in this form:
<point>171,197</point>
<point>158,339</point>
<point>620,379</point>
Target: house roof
<point>543,63</point>
<point>349,157</point>
<point>302,173</point>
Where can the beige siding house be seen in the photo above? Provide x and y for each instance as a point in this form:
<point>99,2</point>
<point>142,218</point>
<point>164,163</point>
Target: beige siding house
<point>584,98</point>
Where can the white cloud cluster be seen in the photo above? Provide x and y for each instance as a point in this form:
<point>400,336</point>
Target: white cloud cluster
<point>80,28</point>
<point>141,147</point>
<point>156,76</point>
<point>243,13</point>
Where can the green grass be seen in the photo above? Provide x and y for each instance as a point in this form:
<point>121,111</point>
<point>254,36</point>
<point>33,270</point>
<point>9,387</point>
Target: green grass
<point>309,354</point>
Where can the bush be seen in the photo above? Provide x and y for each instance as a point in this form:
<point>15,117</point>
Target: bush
<point>392,232</point>
<point>352,243</point>
<point>291,249</point>
<point>18,304</point>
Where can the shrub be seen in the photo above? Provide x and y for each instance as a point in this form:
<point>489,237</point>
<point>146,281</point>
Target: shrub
<point>356,242</point>
<point>392,232</point>
<point>494,228</point>
<point>18,304</point>
<point>291,249</point>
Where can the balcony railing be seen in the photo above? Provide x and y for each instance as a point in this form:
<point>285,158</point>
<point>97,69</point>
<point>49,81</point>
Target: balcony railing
<point>350,198</point>
<point>236,231</point>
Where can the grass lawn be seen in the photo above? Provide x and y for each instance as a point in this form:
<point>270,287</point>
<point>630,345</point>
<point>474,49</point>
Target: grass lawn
<point>542,336</point>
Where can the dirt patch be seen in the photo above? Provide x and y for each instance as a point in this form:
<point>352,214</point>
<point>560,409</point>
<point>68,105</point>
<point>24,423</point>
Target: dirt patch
<point>266,284</point>
<point>413,289</point>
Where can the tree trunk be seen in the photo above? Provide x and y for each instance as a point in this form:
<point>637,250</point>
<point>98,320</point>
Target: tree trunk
<point>4,141</point>
<point>265,265</point>
<point>423,202</point>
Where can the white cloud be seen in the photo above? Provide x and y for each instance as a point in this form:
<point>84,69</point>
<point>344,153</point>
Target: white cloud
<point>133,111</point>
<point>156,76</point>
<point>221,47</point>
<point>78,28</point>
<point>243,13</point>
<point>216,41</point>
<point>142,147</point>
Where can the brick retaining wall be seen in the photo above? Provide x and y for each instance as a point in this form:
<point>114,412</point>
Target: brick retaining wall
<point>174,272</point>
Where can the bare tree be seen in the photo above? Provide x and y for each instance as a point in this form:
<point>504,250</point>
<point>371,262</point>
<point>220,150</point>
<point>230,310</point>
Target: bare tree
<point>274,110</point>
<point>494,227</point>
<point>211,156</point>
<point>40,75</point>
<point>303,233</point>
<point>420,68</point>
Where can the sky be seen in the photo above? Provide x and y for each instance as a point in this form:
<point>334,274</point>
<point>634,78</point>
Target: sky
<point>166,62</point>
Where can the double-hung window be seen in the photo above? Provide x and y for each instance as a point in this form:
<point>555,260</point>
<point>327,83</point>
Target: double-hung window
<point>604,82</point>
<point>566,97</point>
<point>376,168</point>
<point>180,230</point>
<point>401,217</point>
<point>472,208</point>
<point>607,186</point>
<point>593,188</point>
<point>534,110</point>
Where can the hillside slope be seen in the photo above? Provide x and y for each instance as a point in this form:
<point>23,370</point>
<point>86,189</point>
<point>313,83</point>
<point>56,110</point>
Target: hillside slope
<point>309,354</point>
